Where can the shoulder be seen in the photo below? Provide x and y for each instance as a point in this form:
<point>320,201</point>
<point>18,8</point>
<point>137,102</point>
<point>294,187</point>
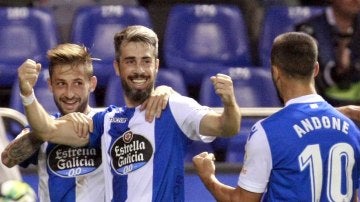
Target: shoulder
<point>177,98</point>
<point>257,132</point>
<point>184,103</point>
<point>100,113</point>
<point>257,144</point>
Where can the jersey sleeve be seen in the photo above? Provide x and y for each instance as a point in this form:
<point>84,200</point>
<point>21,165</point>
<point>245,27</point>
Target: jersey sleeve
<point>98,127</point>
<point>255,173</point>
<point>188,114</point>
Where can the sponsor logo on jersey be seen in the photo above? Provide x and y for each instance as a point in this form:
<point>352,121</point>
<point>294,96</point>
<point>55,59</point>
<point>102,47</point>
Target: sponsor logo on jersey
<point>118,120</point>
<point>66,161</point>
<point>130,152</point>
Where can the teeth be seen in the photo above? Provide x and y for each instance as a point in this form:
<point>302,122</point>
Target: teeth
<point>139,80</point>
<point>70,102</point>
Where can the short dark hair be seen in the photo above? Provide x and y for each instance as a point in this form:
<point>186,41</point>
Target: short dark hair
<point>295,53</point>
<point>135,33</point>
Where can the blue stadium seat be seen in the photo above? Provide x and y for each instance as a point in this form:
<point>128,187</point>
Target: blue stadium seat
<point>201,39</point>
<point>24,33</point>
<point>172,78</point>
<point>43,95</point>
<point>95,26</point>
<point>278,20</point>
<point>253,87</point>
<point>114,91</point>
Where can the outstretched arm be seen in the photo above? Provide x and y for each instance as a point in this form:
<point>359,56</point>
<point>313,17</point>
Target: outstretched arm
<point>205,167</point>
<point>20,149</point>
<point>228,122</point>
<point>73,132</point>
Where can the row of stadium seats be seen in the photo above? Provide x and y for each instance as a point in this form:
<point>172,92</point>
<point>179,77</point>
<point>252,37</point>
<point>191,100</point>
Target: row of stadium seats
<point>199,39</point>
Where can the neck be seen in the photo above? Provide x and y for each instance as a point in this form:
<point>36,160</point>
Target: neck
<point>132,103</point>
<point>295,90</point>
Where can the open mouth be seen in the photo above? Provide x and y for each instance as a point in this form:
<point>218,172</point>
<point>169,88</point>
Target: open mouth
<point>139,81</point>
<point>70,102</point>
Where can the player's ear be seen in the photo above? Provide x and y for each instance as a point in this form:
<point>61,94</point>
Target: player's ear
<point>275,72</point>
<point>157,63</point>
<point>116,65</point>
<point>93,83</point>
<point>49,84</point>
<point>316,69</point>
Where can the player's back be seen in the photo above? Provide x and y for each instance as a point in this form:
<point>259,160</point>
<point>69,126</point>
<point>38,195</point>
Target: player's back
<point>315,154</point>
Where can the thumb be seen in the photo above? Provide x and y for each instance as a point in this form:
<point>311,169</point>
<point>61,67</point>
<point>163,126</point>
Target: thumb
<point>38,67</point>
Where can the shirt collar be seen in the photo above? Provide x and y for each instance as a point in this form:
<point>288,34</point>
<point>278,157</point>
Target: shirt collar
<point>305,99</point>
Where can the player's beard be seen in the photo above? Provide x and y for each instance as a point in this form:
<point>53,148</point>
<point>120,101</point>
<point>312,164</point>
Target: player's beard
<point>137,96</point>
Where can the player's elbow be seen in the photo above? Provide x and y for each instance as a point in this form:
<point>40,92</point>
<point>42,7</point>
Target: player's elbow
<point>230,127</point>
<point>6,160</point>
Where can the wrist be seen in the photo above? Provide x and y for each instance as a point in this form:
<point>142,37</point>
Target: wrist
<point>208,178</point>
<point>29,99</point>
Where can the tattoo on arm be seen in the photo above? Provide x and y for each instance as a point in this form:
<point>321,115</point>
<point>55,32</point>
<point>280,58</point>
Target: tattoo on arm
<point>20,149</point>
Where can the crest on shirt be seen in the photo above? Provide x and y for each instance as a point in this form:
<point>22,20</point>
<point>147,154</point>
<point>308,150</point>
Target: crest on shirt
<point>66,161</point>
<point>130,152</point>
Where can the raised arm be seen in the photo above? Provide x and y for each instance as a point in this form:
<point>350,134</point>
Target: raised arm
<point>205,167</point>
<point>28,74</point>
<point>20,149</point>
<point>73,132</point>
<point>228,122</point>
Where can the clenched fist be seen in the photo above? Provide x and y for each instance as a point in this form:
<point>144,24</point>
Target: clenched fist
<point>204,164</point>
<point>28,74</point>
<point>223,86</point>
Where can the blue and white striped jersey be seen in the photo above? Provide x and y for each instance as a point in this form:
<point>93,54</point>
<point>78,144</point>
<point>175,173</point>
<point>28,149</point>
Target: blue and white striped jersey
<point>145,161</point>
<point>69,174</point>
<point>308,151</point>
